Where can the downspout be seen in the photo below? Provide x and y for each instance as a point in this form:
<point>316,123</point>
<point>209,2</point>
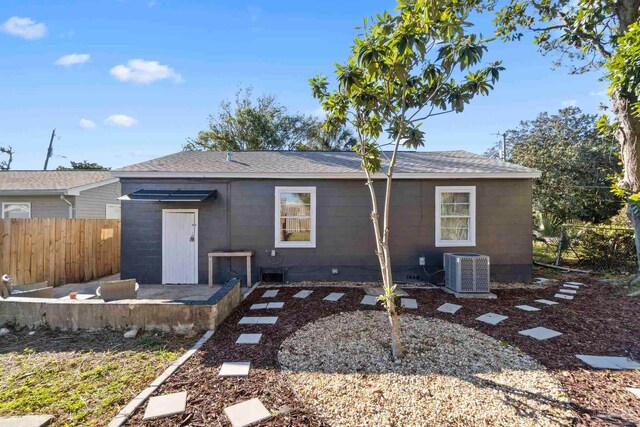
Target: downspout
<point>68,203</point>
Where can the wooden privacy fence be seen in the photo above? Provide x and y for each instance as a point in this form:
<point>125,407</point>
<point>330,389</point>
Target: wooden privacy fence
<point>59,250</point>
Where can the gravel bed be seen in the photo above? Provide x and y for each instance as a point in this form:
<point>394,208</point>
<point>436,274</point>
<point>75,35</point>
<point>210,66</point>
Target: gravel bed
<point>451,374</point>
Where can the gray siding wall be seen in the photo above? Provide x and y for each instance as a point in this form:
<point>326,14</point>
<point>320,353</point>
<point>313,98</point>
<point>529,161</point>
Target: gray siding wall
<point>43,206</point>
<point>91,203</point>
<point>242,217</point>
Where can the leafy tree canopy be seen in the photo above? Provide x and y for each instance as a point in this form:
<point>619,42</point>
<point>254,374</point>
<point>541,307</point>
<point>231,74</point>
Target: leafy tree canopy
<point>576,162</point>
<point>83,165</point>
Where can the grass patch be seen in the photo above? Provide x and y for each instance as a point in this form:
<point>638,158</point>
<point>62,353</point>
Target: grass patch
<point>81,378</point>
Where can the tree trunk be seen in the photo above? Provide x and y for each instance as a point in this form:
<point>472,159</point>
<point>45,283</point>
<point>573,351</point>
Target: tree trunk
<point>633,212</point>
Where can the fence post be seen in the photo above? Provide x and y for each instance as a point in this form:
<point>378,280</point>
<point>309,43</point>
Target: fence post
<point>560,243</point>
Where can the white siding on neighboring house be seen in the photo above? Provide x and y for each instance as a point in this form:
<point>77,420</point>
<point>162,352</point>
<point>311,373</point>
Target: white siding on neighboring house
<point>93,203</point>
<point>43,206</point>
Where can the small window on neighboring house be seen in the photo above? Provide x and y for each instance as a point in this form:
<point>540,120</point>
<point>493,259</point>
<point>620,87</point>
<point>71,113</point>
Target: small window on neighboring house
<point>16,210</point>
<point>455,216</point>
<point>112,211</point>
<point>295,217</point>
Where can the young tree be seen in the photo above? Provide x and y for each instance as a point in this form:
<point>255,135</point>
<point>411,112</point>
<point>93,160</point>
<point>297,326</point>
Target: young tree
<point>403,69</point>
<point>590,34</point>
<point>5,165</point>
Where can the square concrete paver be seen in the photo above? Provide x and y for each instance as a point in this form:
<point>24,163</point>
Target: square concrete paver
<point>491,318</point>
<point>546,301</point>
<point>234,369</point>
<point>575,283</point>
<point>270,294</point>
<point>563,296</point>
<point>608,362</point>
<point>369,300</point>
<point>247,413</point>
<point>634,390</point>
<point>541,280</point>
<point>26,421</point>
<point>540,333</point>
<point>258,306</point>
<point>334,296</point>
<point>566,285</point>
<point>261,320</point>
<point>166,405</point>
<point>568,291</point>
<point>275,305</point>
<point>449,308</point>
<point>249,339</point>
<point>527,307</point>
<point>377,291</point>
<point>408,303</point>
<point>303,294</point>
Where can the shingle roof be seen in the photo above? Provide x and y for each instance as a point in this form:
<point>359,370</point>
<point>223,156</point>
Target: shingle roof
<point>317,163</point>
<point>49,181</point>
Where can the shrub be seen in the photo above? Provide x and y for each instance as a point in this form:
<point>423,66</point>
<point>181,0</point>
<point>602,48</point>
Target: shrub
<point>606,248</point>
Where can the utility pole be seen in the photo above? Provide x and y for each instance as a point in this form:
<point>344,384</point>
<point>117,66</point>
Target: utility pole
<point>503,145</point>
<point>50,150</point>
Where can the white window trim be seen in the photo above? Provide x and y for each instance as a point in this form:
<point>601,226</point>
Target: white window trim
<point>278,242</point>
<point>472,213</point>
<point>15,203</point>
<point>106,206</point>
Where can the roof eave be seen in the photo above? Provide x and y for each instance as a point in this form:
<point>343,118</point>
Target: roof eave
<point>343,175</point>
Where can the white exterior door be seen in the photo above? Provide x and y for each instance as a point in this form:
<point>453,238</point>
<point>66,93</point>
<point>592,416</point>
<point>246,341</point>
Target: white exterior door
<point>180,246</point>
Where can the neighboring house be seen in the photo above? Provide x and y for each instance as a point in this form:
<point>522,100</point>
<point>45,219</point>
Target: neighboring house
<point>308,213</point>
<point>59,194</point>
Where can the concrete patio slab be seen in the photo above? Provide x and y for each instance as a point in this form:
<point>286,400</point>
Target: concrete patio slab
<point>566,285</point>
<point>259,306</point>
<point>449,308</point>
<point>369,300</point>
<point>303,294</point>
<point>249,339</point>
<point>26,421</point>
<point>247,413</point>
<point>275,305</point>
<point>546,301</point>
<point>166,405</point>
<point>333,296</point>
<point>525,307</point>
<point>491,318</point>
<point>234,369</point>
<point>408,303</point>
<point>540,333</point>
<point>568,291</point>
<point>563,296</point>
<point>259,320</point>
<point>609,362</point>
<point>270,293</point>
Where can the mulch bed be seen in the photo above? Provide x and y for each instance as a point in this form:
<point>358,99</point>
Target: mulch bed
<point>599,321</point>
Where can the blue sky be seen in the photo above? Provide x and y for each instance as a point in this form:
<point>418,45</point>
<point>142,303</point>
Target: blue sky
<point>203,52</point>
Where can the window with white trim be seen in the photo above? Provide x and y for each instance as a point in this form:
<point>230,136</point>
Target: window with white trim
<point>455,216</point>
<point>295,217</point>
<point>16,210</point>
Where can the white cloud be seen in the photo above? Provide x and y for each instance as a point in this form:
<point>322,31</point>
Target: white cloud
<point>86,124</point>
<point>602,92</point>
<point>144,72</point>
<point>120,120</point>
<point>570,103</point>
<point>25,28</point>
<point>73,59</point>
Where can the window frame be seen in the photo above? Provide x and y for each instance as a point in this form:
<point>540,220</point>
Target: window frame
<point>112,205</point>
<point>295,244</point>
<point>471,241</point>
<point>15,203</point>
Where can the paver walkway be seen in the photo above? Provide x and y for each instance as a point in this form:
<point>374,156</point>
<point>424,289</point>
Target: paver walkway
<point>247,413</point>
<point>26,421</point>
<point>234,369</point>
<point>569,291</point>
<point>449,308</point>
<point>270,294</point>
<point>492,318</point>
<point>546,301</point>
<point>525,307</point>
<point>540,333</point>
<point>563,296</point>
<point>261,320</point>
<point>333,296</point>
<point>303,294</point>
<point>369,300</point>
<point>166,405</point>
<point>249,339</point>
<point>608,362</point>
<point>408,303</point>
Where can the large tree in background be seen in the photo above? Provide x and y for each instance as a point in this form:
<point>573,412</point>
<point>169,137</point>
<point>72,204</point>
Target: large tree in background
<point>5,165</point>
<point>404,68</point>
<point>262,123</point>
<point>576,161</point>
<point>83,165</point>
<point>588,35</point>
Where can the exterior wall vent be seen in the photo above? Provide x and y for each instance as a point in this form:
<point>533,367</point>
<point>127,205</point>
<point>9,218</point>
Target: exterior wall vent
<point>466,272</point>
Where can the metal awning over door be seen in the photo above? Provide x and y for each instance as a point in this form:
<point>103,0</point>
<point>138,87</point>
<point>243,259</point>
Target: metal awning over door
<point>170,195</point>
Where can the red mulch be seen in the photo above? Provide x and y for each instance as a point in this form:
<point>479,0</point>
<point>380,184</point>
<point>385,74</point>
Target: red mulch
<point>599,321</point>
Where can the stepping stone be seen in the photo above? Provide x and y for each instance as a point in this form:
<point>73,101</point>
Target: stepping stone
<point>571,286</point>
<point>563,296</point>
<point>166,405</point>
<point>234,369</point>
<point>369,300</point>
<point>546,301</point>
<point>258,306</point>
<point>449,308</point>
<point>26,421</point>
<point>527,308</point>
<point>275,305</point>
<point>575,283</point>
<point>408,303</point>
<point>377,291</point>
<point>247,413</point>
<point>634,390</point>
<point>540,333</point>
<point>270,294</point>
<point>249,339</point>
<point>264,320</point>
<point>569,291</point>
<point>303,294</point>
<point>608,362</point>
<point>492,318</point>
<point>334,296</point>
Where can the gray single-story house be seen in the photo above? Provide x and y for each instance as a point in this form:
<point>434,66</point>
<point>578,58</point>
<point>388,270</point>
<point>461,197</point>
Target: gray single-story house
<point>59,194</point>
<point>306,215</point>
